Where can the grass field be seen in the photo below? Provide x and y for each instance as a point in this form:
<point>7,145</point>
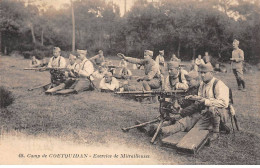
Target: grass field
<point>92,121</point>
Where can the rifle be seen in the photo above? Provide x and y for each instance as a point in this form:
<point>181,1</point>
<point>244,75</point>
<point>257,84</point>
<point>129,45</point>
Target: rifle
<point>163,94</point>
<point>164,112</point>
<point>46,69</point>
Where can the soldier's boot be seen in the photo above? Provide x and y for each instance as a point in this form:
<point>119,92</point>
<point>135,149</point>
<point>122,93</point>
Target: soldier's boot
<point>238,84</point>
<point>215,125</point>
<point>243,84</point>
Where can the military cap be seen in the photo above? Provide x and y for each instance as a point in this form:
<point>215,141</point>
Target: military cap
<point>56,49</point>
<point>161,51</point>
<point>82,52</point>
<point>108,74</point>
<point>236,41</point>
<point>206,68</point>
<point>72,56</point>
<point>191,75</point>
<point>148,52</point>
<point>173,64</point>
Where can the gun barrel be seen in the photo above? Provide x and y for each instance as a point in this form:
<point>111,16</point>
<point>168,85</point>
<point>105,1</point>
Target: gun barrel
<point>151,92</point>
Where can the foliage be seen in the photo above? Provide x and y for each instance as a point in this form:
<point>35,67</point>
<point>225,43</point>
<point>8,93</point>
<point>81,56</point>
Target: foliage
<point>6,97</point>
<point>185,28</point>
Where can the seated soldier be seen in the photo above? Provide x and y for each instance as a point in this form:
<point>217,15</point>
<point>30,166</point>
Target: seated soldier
<point>212,102</point>
<point>98,60</point>
<point>174,58</point>
<point>100,73</point>
<point>152,78</point>
<point>217,68</point>
<point>109,83</point>
<point>70,75</point>
<point>34,63</point>
<point>57,61</point>
<point>84,74</point>
<point>199,61</point>
<point>176,78</point>
<point>122,63</point>
<point>124,73</point>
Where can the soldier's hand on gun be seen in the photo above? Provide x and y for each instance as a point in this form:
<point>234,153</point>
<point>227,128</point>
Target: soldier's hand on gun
<point>139,79</point>
<point>193,97</point>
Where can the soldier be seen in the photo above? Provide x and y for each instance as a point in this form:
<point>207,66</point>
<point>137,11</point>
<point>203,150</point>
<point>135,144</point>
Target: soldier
<point>176,79</point>
<point>99,59</point>
<point>124,73</point>
<point>70,74</point>
<point>100,73</point>
<point>237,64</point>
<point>84,73</point>
<point>57,61</point>
<point>109,83</point>
<point>199,61</point>
<point>213,99</point>
<point>211,102</point>
<point>34,63</point>
<point>122,63</point>
<point>206,58</point>
<point>174,58</point>
<point>152,78</point>
<point>160,60</point>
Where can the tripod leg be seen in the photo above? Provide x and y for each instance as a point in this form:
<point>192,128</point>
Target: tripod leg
<point>157,131</point>
<point>140,125</point>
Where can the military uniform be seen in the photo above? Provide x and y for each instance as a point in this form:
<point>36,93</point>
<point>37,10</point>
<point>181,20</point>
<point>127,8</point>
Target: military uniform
<point>237,66</point>
<point>57,76</point>
<point>35,63</point>
<point>152,72</point>
<point>85,71</point>
<point>71,79</point>
<point>111,86</point>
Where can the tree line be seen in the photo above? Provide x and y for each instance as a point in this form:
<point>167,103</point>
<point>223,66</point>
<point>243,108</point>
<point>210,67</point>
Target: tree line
<point>186,28</point>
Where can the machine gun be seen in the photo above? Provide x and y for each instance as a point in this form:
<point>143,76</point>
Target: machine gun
<point>164,108</point>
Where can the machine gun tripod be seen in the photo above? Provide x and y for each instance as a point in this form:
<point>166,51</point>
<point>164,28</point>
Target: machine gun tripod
<point>165,108</point>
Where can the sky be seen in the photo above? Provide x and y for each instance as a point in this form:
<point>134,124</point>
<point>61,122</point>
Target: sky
<point>59,3</point>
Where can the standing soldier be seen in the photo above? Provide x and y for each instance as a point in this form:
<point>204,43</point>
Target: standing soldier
<point>57,61</point>
<point>237,64</point>
<point>152,78</point>
<point>160,60</point>
<point>206,58</point>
